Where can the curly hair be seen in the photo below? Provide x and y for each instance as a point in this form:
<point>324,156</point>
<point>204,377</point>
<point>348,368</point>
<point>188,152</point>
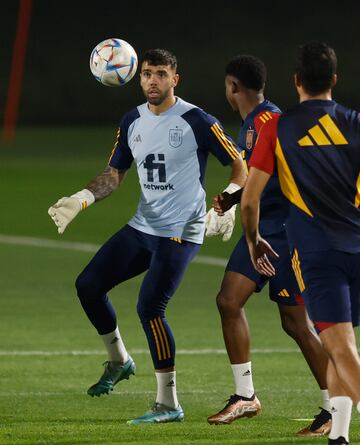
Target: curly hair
<point>249,70</point>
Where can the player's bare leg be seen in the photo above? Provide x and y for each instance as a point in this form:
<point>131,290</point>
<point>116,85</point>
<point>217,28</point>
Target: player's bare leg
<point>343,377</point>
<point>297,325</point>
<point>339,341</point>
<point>235,291</point>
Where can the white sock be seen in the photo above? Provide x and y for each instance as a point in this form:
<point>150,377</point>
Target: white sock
<point>358,407</point>
<point>166,389</point>
<point>115,346</point>
<point>243,379</point>
<point>326,399</point>
<point>341,416</point>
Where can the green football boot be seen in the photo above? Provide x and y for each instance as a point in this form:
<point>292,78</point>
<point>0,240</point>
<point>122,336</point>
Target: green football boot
<point>114,372</point>
<point>159,414</point>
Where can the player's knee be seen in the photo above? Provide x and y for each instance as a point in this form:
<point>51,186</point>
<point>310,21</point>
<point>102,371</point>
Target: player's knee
<point>227,303</point>
<point>151,305</point>
<point>85,286</point>
<point>343,356</point>
<point>341,350</point>
<point>147,312</point>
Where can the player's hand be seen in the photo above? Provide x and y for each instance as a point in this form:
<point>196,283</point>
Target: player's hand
<point>224,201</point>
<point>220,224</point>
<point>259,253</point>
<point>64,211</point>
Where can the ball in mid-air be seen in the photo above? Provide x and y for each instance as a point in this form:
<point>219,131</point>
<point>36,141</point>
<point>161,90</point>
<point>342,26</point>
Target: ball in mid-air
<point>113,62</point>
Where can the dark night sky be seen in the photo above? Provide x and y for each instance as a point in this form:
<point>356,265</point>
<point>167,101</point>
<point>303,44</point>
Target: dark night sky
<point>59,88</point>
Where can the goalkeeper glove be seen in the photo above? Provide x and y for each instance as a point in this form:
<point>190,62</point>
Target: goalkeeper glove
<point>65,210</point>
<point>220,224</point>
<point>216,224</point>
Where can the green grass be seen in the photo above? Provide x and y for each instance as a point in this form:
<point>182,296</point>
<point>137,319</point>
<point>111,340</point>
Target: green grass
<point>43,397</point>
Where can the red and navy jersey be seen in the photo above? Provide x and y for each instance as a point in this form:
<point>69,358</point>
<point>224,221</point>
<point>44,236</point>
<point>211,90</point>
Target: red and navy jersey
<point>317,150</point>
<point>273,205</point>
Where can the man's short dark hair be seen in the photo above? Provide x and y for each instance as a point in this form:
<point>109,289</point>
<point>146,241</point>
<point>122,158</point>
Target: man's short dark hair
<point>249,70</point>
<point>316,63</point>
<point>160,57</point>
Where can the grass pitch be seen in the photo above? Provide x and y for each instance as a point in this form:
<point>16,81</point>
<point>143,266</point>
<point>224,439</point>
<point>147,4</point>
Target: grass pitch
<point>50,353</point>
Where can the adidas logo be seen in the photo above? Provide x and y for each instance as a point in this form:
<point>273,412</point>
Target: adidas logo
<point>171,383</point>
<point>248,372</point>
<point>327,133</point>
<point>265,117</point>
<point>283,293</point>
<point>114,340</point>
<point>138,138</point>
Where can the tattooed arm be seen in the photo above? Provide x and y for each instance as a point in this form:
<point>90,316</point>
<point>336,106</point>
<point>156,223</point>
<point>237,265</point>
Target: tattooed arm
<point>107,182</point>
<point>66,208</point>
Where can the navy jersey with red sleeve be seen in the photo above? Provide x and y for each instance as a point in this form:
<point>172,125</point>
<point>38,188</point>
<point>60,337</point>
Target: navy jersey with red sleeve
<point>317,150</point>
<point>273,205</point>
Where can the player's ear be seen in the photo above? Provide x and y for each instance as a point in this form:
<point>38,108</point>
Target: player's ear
<point>231,84</point>
<point>234,87</point>
<point>298,84</point>
<point>176,78</point>
<point>333,80</point>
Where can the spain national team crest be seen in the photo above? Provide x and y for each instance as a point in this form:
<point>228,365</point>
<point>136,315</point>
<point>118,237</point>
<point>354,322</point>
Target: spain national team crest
<point>249,139</point>
<point>175,137</point>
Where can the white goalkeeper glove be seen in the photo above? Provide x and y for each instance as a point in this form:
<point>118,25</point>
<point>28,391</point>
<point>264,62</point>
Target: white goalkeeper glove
<point>65,210</point>
<point>222,224</point>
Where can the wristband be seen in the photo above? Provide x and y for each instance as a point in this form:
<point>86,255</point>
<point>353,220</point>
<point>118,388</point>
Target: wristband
<point>85,197</point>
<point>232,187</point>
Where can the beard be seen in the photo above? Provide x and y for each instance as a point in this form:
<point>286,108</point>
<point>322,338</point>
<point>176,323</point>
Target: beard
<point>157,100</point>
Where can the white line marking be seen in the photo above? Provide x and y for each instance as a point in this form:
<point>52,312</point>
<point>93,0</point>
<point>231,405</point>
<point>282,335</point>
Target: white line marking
<point>47,243</point>
<point>82,393</point>
<point>205,351</point>
<point>86,247</point>
<point>72,393</point>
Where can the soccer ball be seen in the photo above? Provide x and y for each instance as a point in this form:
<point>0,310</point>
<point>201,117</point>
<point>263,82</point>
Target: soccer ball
<point>113,62</point>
